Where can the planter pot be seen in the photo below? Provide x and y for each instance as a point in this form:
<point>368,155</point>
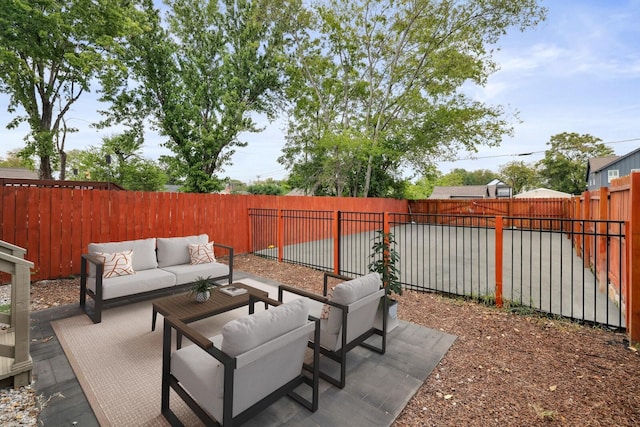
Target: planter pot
<point>392,316</point>
<point>202,296</point>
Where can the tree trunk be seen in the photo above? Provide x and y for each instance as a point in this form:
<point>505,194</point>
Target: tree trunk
<point>367,178</point>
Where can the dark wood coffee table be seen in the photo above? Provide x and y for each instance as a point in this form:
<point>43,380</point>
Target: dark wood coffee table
<point>184,307</point>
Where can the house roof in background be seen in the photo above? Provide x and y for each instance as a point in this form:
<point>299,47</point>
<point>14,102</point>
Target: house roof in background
<point>597,163</point>
<point>540,193</point>
<point>19,173</point>
<point>460,192</point>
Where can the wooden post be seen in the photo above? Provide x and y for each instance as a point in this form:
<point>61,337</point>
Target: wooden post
<point>499,243</point>
<point>586,241</point>
<point>602,247</point>
<point>633,261</point>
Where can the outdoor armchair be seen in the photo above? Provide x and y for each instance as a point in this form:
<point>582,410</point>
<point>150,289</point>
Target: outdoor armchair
<point>256,360</point>
<point>348,318</point>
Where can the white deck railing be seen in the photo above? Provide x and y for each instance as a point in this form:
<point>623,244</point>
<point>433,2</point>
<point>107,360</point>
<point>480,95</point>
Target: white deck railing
<point>15,359</point>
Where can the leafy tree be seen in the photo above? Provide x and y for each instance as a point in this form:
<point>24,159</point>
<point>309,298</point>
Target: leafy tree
<point>423,187</point>
<point>14,160</point>
<point>520,176</point>
<point>50,53</point>
<point>382,79</point>
<point>564,166</point>
<point>118,160</point>
<point>203,77</point>
<point>269,187</point>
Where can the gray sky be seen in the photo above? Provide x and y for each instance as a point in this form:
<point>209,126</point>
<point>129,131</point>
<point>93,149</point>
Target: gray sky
<point>579,71</point>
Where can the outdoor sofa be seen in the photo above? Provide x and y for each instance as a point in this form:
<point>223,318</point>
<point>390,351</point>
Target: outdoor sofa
<point>137,269</point>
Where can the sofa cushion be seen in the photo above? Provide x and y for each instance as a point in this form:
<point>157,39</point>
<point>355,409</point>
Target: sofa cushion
<point>201,253</point>
<point>144,252</point>
<point>116,264</point>
<point>175,250</point>
<point>241,335</point>
<point>348,292</point>
<point>142,281</point>
<point>189,273</point>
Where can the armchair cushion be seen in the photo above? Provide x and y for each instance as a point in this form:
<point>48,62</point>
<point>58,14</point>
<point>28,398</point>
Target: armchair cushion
<point>348,292</point>
<point>248,332</point>
<point>175,250</point>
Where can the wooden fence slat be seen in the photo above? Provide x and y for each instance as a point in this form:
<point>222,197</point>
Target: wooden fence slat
<point>34,229</point>
<point>66,227</point>
<point>76,229</point>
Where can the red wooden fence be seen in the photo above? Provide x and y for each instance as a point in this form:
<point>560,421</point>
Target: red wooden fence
<point>55,225</point>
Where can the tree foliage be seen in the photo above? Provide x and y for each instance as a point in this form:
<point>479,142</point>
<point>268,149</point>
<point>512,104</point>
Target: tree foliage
<point>202,78</point>
<point>269,187</point>
<point>14,160</point>
<point>51,51</point>
<point>564,166</point>
<point>377,84</point>
<point>519,176</point>
<point>119,159</point>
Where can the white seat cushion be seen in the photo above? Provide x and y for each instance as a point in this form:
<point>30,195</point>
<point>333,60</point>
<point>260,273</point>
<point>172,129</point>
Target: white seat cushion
<point>142,281</point>
<point>189,273</point>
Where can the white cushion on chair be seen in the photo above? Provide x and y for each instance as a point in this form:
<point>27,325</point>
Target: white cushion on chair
<point>203,376</point>
<point>243,334</point>
<point>348,292</point>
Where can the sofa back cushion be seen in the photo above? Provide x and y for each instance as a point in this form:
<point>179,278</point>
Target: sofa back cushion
<point>175,250</point>
<point>142,258</point>
<point>248,332</point>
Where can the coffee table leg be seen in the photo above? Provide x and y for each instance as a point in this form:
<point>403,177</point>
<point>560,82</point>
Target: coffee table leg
<point>178,340</point>
<point>154,316</point>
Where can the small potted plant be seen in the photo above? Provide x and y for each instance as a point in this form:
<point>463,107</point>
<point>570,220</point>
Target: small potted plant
<point>385,260</point>
<point>201,288</point>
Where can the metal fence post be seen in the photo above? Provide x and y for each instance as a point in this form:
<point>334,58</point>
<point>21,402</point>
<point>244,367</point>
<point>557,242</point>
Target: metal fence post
<point>280,234</point>
<point>499,243</point>
<point>336,242</point>
<point>633,243</point>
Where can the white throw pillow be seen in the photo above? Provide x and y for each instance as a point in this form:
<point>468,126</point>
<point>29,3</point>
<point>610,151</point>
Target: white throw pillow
<point>201,253</point>
<point>116,264</point>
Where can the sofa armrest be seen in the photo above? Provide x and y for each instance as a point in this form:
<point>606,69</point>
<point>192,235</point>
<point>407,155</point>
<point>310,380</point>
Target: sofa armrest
<point>229,250</point>
<point>97,262</point>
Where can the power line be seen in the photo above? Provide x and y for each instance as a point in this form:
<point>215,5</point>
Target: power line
<point>531,152</point>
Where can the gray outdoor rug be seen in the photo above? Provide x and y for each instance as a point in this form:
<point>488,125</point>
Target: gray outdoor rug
<point>118,364</point>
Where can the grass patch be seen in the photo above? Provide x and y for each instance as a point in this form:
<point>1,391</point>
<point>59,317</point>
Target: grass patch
<point>5,308</point>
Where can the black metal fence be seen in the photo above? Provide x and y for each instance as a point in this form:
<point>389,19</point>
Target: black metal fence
<point>542,268</point>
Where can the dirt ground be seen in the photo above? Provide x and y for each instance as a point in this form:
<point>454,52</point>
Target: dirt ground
<point>503,369</point>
